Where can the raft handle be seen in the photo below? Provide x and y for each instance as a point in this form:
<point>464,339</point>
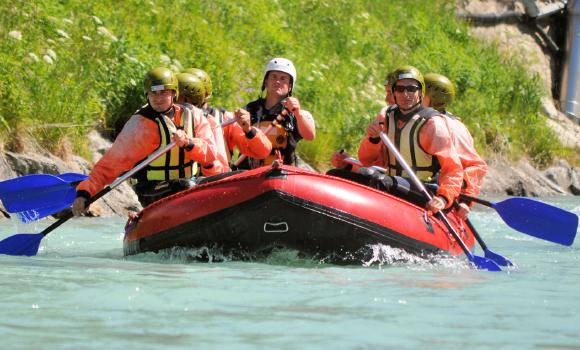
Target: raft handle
<point>275,227</point>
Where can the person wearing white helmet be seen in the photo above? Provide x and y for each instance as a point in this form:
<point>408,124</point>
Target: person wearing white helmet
<point>279,82</point>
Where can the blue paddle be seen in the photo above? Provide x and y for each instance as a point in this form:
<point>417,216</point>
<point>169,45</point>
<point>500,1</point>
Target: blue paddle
<point>498,259</point>
<point>33,197</point>
<point>27,243</point>
<point>526,215</point>
<point>477,261</point>
<point>37,190</point>
<point>535,218</point>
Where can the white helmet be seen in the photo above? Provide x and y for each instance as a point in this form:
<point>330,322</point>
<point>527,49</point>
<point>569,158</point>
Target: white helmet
<point>282,65</point>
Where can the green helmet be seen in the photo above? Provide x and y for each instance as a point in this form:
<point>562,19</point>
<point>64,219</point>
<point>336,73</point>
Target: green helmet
<point>192,88</point>
<point>158,79</point>
<point>408,72</point>
<point>440,89</point>
<point>204,77</point>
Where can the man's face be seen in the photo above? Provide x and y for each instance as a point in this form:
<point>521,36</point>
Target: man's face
<point>407,93</point>
<point>161,100</point>
<point>278,83</point>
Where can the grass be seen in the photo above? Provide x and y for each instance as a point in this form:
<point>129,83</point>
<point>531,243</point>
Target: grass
<point>78,65</point>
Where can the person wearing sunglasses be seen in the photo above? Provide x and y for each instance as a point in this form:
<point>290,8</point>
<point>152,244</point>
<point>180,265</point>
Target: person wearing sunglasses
<point>422,137</point>
<point>440,92</point>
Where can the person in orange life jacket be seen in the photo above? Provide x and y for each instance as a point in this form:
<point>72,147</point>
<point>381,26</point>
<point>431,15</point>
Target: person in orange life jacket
<point>150,128</point>
<point>440,92</point>
<point>250,141</point>
<point>192,94</point>
<point>422,137</point>
<point>337,159</point>
<point>279,82</point>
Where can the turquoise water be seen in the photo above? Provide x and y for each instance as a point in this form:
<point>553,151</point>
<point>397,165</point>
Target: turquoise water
<point>81,293</point>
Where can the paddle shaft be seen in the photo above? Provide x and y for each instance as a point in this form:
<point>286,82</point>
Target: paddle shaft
<point>422,188</point>
<point>115,183</point>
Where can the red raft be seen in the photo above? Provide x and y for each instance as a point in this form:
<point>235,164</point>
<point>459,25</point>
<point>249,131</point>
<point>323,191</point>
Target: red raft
<point>255,211</point>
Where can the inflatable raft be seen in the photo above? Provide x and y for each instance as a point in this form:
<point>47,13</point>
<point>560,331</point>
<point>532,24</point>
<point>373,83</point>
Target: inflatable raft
<point>252,212</point>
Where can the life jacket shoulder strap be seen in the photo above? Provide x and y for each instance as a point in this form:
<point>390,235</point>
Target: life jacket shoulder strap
<point>187,121</point>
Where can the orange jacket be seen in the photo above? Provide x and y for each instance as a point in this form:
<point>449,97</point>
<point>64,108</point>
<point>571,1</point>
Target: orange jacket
<point>435,139</point>
<point>139,138</point>
<point>474,167</point>
<point>258,146</point>
<point>222,162</point>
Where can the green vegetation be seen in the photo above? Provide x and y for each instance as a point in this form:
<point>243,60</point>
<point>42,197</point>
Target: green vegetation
<point>68,66</point>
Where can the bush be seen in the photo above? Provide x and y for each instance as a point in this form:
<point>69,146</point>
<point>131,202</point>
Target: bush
<point>71,66</point>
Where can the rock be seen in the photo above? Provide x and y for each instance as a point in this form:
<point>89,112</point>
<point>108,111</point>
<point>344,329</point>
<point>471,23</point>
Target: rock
<point>522,179</point>
<point>565,176</point>
<point>99,145</point>
<point>120,200</point>
<point>6,171</point>
<point>568,131</point>
<point>549,108</point>
<point>117,202</point>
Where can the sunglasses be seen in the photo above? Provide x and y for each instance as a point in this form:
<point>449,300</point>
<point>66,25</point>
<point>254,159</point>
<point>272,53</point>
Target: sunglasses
<point>409,88</point>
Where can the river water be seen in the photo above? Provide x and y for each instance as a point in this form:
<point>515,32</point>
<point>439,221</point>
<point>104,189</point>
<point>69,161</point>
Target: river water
<point>79,292</point>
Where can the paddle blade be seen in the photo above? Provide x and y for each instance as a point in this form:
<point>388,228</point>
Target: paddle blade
<point>25,244</point>
<point>484,263</point>
<point>33,191</point>
<point>539,219</point>
<point>498,259</point>
<point>32,215</point>
<point>73,177</point>
<point>35,214</point>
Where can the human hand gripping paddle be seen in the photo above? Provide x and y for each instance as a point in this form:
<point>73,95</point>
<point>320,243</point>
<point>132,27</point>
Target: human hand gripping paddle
<point>526,215</point>
<point>477,261</point>
<point>33,197</point>
<point>27,243</point>
<point>274,123</point>
<point>497,258</point>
